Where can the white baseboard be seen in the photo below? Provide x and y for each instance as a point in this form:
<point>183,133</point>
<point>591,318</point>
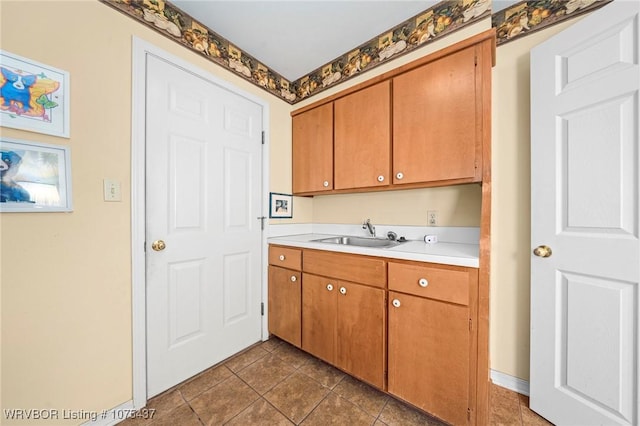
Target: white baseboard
<point>113,416</point>
<point>510,382</point>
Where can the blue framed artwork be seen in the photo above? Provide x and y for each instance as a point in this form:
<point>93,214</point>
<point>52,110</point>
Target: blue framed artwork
<point>33,96</point>
<point>35,177</point>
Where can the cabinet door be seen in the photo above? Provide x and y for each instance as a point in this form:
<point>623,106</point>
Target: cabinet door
<point>363,138</point>
<point>285,304</point>
<point>312,150</point>
<point>319,316</point>
<point>361,332</point>
<point>429,355</point>
<point>436,121</point>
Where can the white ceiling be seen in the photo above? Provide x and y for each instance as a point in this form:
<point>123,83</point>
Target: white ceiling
<point>296,37</point>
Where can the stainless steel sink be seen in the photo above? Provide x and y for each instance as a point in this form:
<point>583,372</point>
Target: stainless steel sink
<point>359,241</point>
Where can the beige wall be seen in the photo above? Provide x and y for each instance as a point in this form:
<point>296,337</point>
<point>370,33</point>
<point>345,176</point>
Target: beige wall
<point>511,218</point>
<point>66,284</point>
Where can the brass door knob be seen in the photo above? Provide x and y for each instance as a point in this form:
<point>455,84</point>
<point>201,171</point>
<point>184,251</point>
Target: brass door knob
<point>542,251</point>
<point>158,245</point>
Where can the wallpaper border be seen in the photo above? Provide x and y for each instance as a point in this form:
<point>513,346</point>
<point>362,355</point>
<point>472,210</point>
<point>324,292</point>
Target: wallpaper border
<point>529,16</point>
<point>438,21</point>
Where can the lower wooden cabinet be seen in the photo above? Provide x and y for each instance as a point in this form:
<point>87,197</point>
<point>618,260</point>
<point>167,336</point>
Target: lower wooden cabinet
<point>285,304</point>
<point>343,323</point>
<point>408,328</point>
<point>285,293</point>
<point>429,363</point>
<point>319,317</point>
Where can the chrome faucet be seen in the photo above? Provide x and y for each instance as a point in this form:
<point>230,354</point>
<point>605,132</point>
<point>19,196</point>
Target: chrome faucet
<point>369,227</point>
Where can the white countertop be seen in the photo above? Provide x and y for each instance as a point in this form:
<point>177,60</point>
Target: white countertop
<point>457,254</point>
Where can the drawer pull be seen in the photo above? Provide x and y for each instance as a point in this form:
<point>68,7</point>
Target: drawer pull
<point>343,290</point>
<point>380,178</point>
<point>330,287</point>
<point>293,278</point>
<point>399,175</point>
<point>325,183</point>
<point>282,257</point>
<point>396,303</point>
<point>423,282</point>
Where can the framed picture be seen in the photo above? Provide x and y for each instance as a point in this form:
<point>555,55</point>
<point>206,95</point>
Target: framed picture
<point>280,205</point>
<point>33,96</point>
<point>35,177</point>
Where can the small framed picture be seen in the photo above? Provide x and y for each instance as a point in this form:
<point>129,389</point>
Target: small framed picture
<point>35,177</point>
<point>280,205</point>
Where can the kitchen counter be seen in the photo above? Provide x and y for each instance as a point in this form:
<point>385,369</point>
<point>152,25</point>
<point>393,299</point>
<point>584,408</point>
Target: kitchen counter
<point>457,254</point>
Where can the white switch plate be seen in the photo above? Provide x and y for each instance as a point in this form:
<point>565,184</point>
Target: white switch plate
<point>112,190</point>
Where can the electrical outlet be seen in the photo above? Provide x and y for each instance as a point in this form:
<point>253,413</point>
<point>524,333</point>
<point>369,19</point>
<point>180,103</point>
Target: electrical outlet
<point>432,218</point>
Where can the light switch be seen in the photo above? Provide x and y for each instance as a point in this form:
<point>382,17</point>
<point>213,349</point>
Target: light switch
<point>112,191</point>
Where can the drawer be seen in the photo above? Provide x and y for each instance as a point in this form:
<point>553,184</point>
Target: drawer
<point>348,267</point>
<point>285,257</point>
<point>435,282</point>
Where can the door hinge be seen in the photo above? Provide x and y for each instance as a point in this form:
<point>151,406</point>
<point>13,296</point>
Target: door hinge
<point>470,324</point>
<point>262,308</point>
<point>475,61</point>
<point>263,137</point>
<point>144,246</point>
<point>468,414</point>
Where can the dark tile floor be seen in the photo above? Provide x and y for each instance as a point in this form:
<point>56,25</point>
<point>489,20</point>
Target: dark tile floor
<point>274,383</point>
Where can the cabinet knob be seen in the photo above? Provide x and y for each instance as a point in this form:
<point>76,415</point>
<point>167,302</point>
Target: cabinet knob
<point>396,303</point>
<point>423,282</point>
<point>293,278</point>
<point>282,257</point>
<point>330,287</point>
<point>399,175</point>
<point>380,178</point>
<point>325,183</point>
<point>343,290</point>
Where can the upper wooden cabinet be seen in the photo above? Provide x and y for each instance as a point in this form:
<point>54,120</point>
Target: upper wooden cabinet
<point>436,114</point>
<point>312,150</point>
<point>426,123</point>
<point>362,156</point>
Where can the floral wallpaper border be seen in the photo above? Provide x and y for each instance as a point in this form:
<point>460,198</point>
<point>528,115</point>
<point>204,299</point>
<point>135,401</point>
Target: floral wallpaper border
<point>529,16</point>
<point>444,18</point>
<point>438,21</point>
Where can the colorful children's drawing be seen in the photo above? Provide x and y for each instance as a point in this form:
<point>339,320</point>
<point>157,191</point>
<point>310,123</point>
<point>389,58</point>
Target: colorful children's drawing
<point>33,96</point>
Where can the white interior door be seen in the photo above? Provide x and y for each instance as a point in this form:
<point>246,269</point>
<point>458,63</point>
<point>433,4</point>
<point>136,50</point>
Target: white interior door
<point>584,178</point>
<point>203,186</point>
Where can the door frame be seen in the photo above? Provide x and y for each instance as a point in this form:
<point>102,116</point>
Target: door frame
<point>140,50</point>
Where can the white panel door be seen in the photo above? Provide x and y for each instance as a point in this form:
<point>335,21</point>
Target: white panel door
<point>585,267</point>
<point>203,185</point>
